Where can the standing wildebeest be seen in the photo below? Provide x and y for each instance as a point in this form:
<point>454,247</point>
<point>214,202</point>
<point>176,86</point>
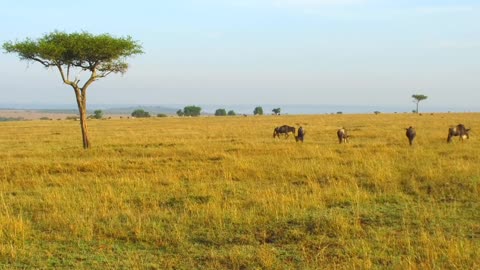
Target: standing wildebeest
<point>342,136</point>
<point>283,130</point>
<point>301,134</point>
<point>459,130</point>
<point>411,133</point>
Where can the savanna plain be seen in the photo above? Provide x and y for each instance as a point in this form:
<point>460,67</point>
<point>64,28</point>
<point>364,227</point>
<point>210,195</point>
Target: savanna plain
<point>222,193</point>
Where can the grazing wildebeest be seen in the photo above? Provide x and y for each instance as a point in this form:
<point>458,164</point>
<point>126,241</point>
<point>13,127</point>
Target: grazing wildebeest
<point>411,133</point>
<point>460,131</point>
<point>342,136</point>
<point>285,130</point>
<point>301,134</point>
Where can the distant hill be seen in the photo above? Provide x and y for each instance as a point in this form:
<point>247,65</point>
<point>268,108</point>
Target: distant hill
<point>151,109</point>
<point>107,109</point>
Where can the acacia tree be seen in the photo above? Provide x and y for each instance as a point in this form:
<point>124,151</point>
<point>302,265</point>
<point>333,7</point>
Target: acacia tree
<point>73,53</point>
<point>418,98</point>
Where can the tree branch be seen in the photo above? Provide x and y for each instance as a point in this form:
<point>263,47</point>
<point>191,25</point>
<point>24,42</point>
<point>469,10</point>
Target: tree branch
<point>44,63</point>
<point>90,80</point>
<point>66,80</point>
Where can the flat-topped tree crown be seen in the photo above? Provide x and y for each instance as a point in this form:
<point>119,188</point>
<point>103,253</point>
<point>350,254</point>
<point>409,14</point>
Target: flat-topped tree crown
<point>70,53</point>
<point>417,98</point>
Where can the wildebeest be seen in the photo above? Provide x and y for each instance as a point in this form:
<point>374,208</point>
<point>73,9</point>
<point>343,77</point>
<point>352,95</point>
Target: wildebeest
<point>285,130</point>
<point>342,136</point>
<point>460,131</point>
<point>301,134</point>
<point>411,133</point>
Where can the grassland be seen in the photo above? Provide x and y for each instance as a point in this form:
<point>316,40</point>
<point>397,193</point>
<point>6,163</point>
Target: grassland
<point>221,193</point>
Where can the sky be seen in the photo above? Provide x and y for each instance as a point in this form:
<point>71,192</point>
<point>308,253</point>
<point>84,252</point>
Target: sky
<point>348,52</point>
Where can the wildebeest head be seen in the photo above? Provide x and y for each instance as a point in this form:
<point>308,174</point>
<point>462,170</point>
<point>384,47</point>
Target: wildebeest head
<point>342,136</point>
<point>411,133</point>
<point>301,135</point>
<point>460,131</point>
<point>275,132</point>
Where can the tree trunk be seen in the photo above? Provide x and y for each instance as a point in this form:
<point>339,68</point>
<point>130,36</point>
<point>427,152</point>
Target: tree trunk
<point>82,109</point>
<point>83,125</point>
<point>417,106</point>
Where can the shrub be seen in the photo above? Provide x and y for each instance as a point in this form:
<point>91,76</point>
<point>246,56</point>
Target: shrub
<point>98,114</point>
<point>231,113</point>
<point>220,112</point>
<point>139,113</point>
<point>161,115</point>
<point>258,111</point>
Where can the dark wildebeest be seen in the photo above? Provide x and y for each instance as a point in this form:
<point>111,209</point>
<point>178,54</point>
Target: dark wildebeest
<point>342,136</point>
<point>301,134</point>
<point>285,130</point>
<point>459,130</point>
<point>411,133</point>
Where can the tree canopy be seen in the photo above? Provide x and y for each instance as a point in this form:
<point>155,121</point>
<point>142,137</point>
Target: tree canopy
<point>220,112</point>
<point>192,110</point>
<point>258,111</point>
<point>98,114</point>
<point>103,53</point>
<point>140,113</point>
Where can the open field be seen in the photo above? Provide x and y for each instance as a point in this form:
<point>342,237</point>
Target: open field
<point>221,193</point>
<point>38,114</point>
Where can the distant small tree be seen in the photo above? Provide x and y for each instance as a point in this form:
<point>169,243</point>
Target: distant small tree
<point>339,112</point>
<point>139,113</point>
<point>258,111</point>
<point>161,115</point>
<point>417,99</point>
<point>180,112</point>
<point>276,111</point>
<point>231,113</point>
<point>376,112</point>
<point>220,112</point>
<point>98,114</point>
<point>192,110</point>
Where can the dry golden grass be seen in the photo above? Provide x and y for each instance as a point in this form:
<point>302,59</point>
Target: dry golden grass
<point>221,193</point>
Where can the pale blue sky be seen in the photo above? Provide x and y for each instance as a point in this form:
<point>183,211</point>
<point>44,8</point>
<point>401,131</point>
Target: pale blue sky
<point>349,52</point>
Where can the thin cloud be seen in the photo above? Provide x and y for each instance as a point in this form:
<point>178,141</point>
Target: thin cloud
<point>444,9</point>
<point>315,3</point>
<point>304,4</point>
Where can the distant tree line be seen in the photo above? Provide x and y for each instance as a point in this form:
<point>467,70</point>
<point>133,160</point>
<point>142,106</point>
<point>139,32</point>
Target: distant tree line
<point>223,112</point>
<point>140,113</point>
